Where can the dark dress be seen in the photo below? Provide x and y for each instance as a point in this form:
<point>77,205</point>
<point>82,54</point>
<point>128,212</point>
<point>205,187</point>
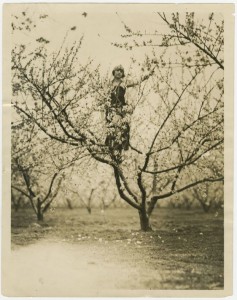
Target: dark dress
<point>117,105</point>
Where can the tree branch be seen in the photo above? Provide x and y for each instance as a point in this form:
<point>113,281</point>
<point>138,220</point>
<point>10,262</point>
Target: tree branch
<point>187,163</point>
<point>52,198</point>
<point>25,194</point>
<point>50,188</point>
<point>153,201</point>
<point>186,37</point>
<point>43,129</point>
<point>187,187</point>
<point>120,190</point>
<point>19,190</point>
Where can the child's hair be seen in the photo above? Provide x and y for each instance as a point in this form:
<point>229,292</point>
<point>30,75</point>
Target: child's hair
<point>120,68</point>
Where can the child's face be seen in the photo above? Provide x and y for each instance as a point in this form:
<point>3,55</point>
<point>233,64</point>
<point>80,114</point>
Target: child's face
<point>118,74</point>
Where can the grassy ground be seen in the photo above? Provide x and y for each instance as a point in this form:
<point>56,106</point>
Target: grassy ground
<point>184,251</point>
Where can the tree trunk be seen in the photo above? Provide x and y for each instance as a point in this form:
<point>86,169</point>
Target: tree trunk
<point>69,204</point>
<point>16,205</point>
<point>40,215</point>
<point>144,221</point>
<point>206,207</point>
<point>151,206</point>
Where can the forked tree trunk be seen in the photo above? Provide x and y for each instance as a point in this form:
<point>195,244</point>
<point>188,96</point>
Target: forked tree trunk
<point>144,221</point>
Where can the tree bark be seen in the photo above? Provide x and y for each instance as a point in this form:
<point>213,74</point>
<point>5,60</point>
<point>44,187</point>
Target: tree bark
<point>40,215</point>
<point>144,221</point>
<point>151,206</point>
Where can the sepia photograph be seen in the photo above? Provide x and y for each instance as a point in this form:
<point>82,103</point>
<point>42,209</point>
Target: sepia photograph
<point>117,150</point>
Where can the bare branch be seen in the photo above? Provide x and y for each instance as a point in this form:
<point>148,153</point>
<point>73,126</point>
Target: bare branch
<point>44,130</point>
<point>120,190</point>
<point>204,49</point>
<point>21,191</point>
<point>188,162</point>
<point>187,187</point>
<point>50,188</point>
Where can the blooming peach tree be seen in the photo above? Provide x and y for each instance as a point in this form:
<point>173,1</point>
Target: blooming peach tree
<point>175,113</point>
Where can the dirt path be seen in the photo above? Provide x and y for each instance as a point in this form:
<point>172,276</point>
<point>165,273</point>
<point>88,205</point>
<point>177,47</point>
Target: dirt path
<point>76,255</point>
<point>50,268</point>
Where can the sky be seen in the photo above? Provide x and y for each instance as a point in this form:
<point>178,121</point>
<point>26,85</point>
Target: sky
<point>100,26</point>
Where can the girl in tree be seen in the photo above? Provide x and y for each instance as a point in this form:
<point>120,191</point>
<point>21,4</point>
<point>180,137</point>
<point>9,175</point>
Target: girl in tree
<point>118,136</point>
<point>118,127</point>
